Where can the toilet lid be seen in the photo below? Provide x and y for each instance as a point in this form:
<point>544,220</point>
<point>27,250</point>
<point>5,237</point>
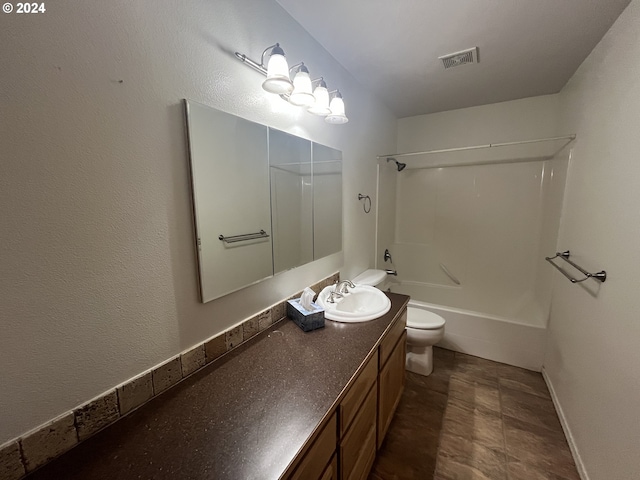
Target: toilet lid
<point>423,319</point>
<point>370,277</point>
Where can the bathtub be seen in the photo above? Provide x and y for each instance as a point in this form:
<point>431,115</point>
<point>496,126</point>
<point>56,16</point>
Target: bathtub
<point>517,339</point>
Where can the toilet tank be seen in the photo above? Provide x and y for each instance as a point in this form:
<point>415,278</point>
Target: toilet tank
<point>371,277</point>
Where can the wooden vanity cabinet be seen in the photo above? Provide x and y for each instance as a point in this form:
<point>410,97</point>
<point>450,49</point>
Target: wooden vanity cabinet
<point>358,445</point>
<point>331,472</point>
<point>346,447</point>
<point>391,379</point>
<point>364,421</point>
<point>353,400</point>
<point>390,386</point>
<point>320,461</point>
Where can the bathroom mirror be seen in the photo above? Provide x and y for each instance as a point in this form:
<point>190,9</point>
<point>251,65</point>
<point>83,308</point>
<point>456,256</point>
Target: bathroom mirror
<point>264,201</point>
<point>230,199</point>
<point>327,200</point>
<point>291,200</point>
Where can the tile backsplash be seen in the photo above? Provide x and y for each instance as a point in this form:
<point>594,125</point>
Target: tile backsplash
<point>96,415</point>
<point>25,454</point>
<point>49,442</point>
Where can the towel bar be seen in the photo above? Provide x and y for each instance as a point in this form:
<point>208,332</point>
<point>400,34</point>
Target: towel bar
<point>601,276</point>
<point>243,237</point>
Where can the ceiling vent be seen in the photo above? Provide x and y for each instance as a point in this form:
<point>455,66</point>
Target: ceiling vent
<point>469,55</point>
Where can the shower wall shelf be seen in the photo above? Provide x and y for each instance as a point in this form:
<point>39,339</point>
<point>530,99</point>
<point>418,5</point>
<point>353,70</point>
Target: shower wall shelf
<point>488,154</point>
<point>601,276</point>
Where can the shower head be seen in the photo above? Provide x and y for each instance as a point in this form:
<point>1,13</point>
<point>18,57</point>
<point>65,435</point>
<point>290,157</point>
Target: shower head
<point>399,164</point>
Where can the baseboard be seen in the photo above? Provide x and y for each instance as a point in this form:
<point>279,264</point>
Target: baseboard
<point>565,427</point>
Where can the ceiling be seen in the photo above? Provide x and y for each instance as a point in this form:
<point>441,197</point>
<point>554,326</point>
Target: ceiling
<point>527,47</point>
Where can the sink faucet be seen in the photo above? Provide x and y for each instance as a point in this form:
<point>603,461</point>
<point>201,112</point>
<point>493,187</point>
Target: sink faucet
<point>341,287</point>
<point>333,295</point>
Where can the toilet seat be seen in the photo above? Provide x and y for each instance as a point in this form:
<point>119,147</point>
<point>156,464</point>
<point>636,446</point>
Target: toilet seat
<point>423,319</point>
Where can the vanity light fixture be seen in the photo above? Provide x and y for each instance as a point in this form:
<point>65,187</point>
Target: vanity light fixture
<point>300,91</point>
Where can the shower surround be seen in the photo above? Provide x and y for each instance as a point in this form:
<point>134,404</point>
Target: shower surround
<point>469,243</point>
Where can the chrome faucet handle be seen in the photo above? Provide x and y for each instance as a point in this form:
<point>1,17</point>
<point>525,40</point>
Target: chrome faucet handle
<point>342,286</point>
<point>333,295</point>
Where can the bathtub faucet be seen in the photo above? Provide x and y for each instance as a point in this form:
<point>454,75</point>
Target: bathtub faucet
<point>391,272</point>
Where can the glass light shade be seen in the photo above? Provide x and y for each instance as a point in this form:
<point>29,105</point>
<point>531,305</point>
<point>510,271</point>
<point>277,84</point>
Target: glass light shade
<point>337,115</point>
<point>278,80</point>
<point>321,104</point>
<point>301,95</point>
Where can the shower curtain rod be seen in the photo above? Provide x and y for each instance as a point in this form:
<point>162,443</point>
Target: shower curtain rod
<point>477,147</point>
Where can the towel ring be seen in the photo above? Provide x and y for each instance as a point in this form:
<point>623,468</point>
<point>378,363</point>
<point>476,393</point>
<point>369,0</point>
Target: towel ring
<point>365,198</point>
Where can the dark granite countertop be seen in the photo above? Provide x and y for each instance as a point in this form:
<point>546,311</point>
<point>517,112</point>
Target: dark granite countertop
<point>244,416</point>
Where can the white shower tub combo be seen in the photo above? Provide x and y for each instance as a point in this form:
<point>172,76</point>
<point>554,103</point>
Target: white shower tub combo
<point>516,336</point>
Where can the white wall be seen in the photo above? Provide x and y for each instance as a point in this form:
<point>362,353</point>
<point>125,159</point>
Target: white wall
<point>98,269</point>
<point>529,118</point>
<point>593,355</point>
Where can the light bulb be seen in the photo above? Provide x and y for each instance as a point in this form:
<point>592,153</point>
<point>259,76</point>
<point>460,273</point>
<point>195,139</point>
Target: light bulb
<point>321,104</point>
<point>301,95</point>
<point>337,115</point>
<point>278,80</point>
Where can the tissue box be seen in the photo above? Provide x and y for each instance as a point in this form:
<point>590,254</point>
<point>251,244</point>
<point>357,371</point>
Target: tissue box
<point>307,320</point>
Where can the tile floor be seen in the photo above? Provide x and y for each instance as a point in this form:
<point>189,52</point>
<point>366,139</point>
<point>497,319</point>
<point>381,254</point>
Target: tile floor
<point>474,419</point>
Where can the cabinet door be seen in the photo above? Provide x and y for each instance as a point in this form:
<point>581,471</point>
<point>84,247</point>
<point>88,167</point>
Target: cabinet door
<point>312,465</point>
<point>352,401</point>
<point>331,473</point>
<point>391,338</point>
<point>358,447</point>
<point>390,385</point>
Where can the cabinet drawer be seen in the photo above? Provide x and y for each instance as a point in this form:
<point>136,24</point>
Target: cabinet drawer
<point>359,438</point>
<point>331,473</point>
<point>367,456</point>
<point>358,391</point>
<point>314,462</point>
<point>391,338</point>
<point>390,386</point>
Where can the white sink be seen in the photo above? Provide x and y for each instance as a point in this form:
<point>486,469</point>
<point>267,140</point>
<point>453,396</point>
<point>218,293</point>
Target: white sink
<point>361,304</point>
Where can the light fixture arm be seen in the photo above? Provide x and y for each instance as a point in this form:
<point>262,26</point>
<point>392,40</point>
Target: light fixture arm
<point>255,65</point>
<point>259,67</point>
<point>296,66</point>
<point>271,47</point>
<point>319,81</point>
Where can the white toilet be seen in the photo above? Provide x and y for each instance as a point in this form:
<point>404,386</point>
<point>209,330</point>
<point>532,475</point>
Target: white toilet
<point>424,328</point>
